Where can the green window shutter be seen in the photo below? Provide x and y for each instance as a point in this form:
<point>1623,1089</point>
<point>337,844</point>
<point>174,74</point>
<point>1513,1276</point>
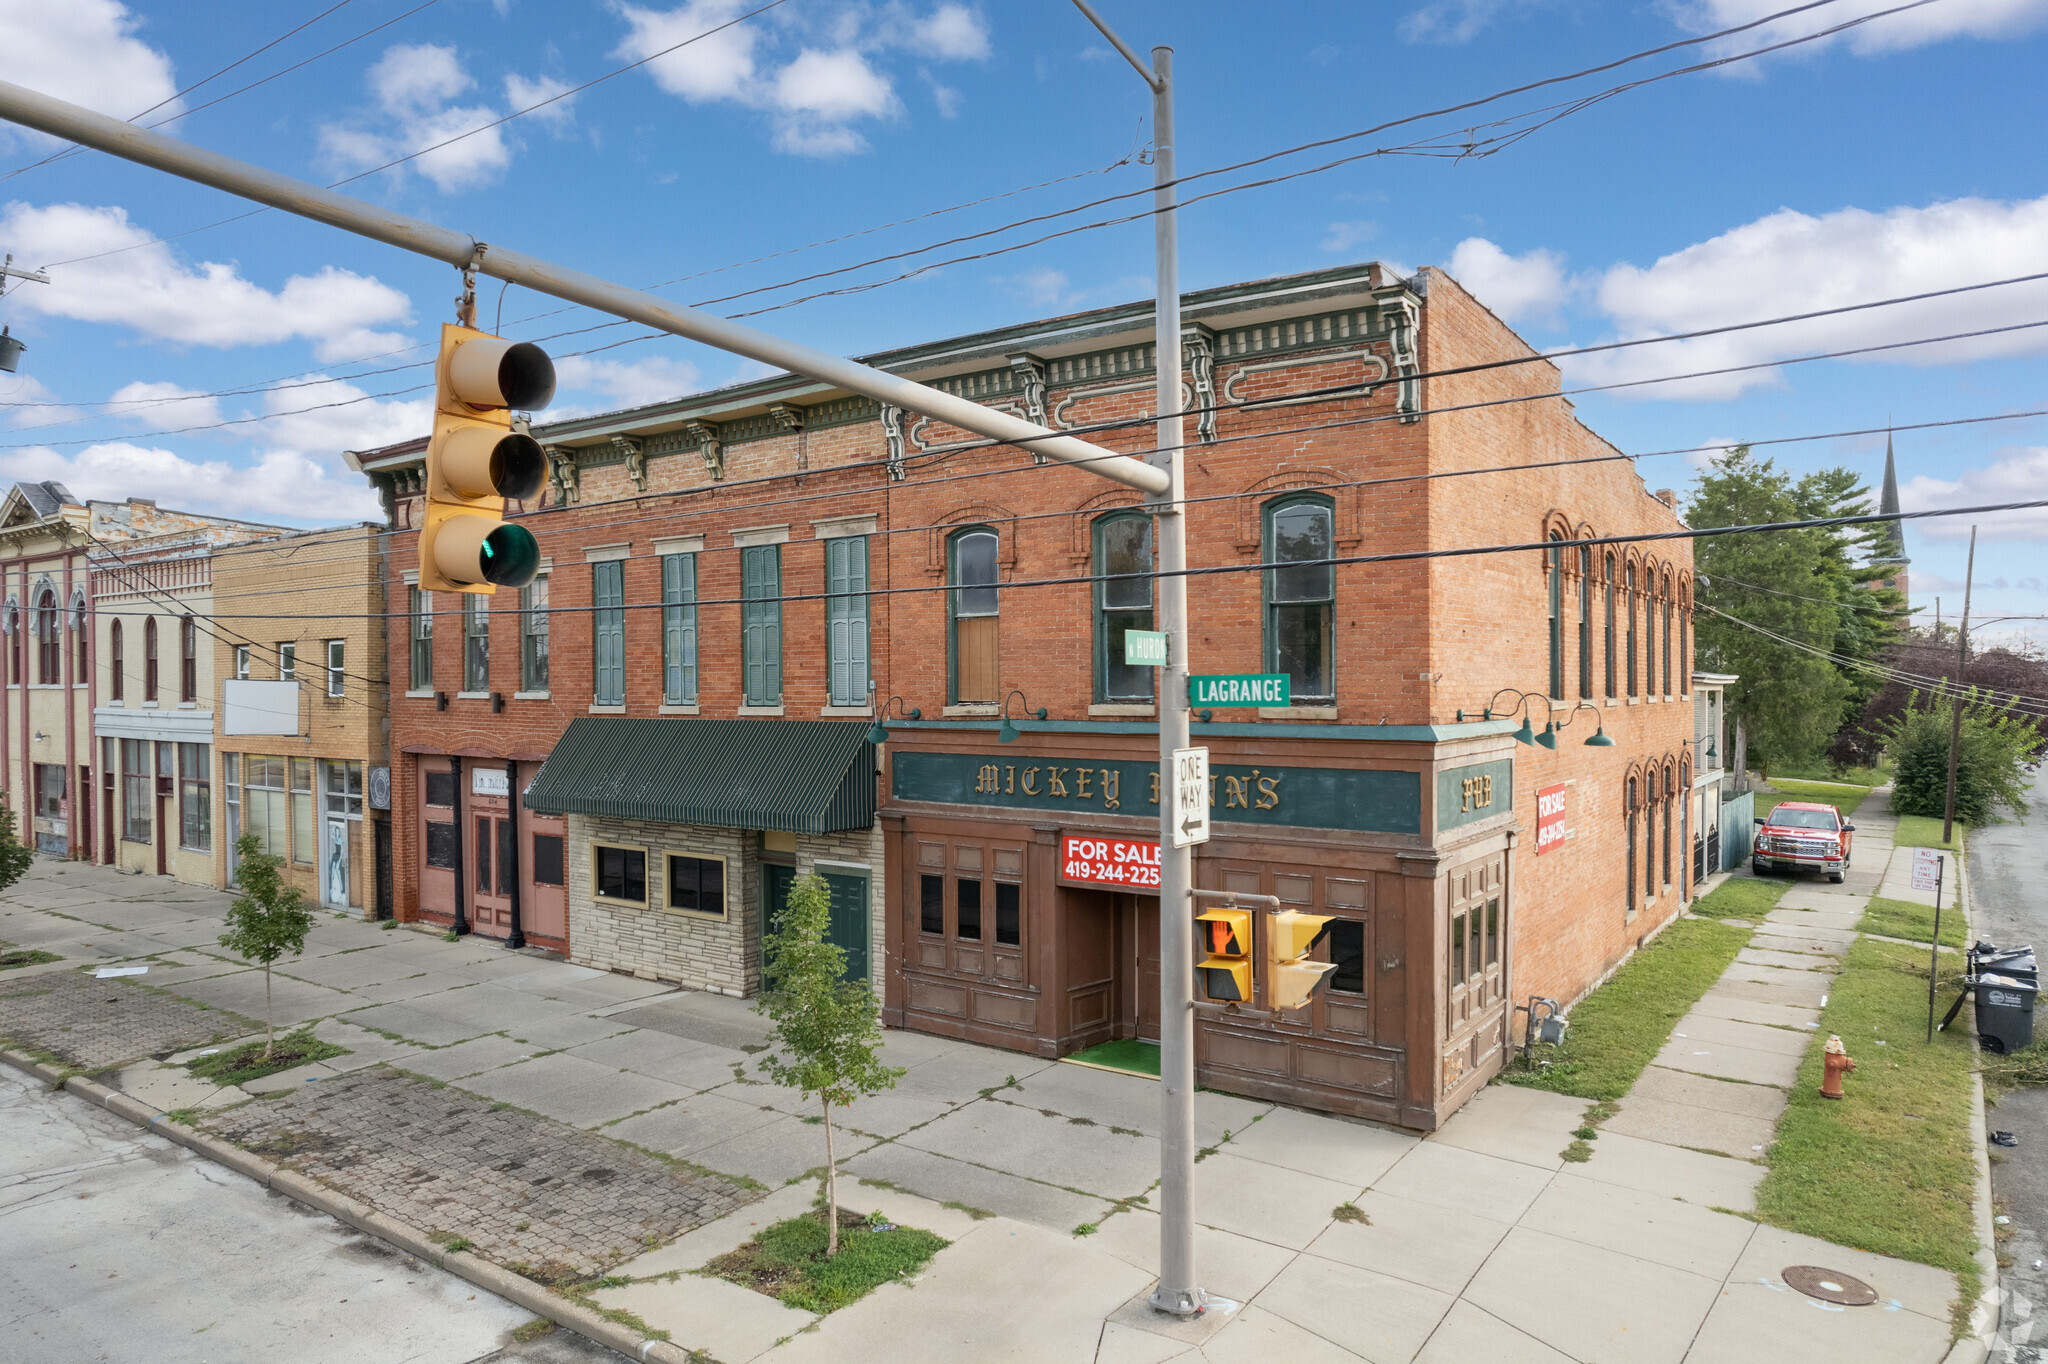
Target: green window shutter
<point>608,632</point>
<point>679,628</point>
<point>846,619</point>
<point>761,623</point>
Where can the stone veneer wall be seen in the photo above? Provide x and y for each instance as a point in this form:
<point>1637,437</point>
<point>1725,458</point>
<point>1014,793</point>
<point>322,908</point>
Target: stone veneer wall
<point>693,951</point>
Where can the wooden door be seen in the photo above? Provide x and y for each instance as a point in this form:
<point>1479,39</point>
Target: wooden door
<point>544,905</point>
<point>491,870</point>
<point>1145,914</point>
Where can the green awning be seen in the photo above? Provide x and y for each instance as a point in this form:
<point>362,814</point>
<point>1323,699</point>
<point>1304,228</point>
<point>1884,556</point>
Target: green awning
<point>801,776</point>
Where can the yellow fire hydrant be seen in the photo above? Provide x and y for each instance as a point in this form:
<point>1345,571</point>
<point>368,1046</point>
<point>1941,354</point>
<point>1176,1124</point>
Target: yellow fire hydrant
<point>1835,1063</point>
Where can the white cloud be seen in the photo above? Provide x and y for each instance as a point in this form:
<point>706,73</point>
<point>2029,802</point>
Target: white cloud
<point>2021,475</point>
<point>163,404</point>
<point>150,290</point>
<point>946,98</point>
<point>1915,28</point>
<point>1791,262</point>
<point>1455,21</point>
<point>1343,237</point>
<point>20,396</point>
<point>820,93</point>
<point>322,417</point>
<point>283,484</point>
<point>626,383</point>
<point>413,86</point>
<point>1041,287</point>
<point>1528,287</point>
<point>84,52</point>
<point>717,67</point>
<point>952,33</point>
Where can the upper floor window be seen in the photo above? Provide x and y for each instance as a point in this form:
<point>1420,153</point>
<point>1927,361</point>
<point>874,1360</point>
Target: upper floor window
<point>1650,638</point>
<point>678,629</point>
<point>188,659</point>
<point>420,623</point>
<point>1685,638</point>
<point>1554,566</point>
<point>49,640</point>
<point>337,671</point>
<point>241,662</point>
<point>149,659</point>
<point>533,635</point>
<point>608,632</point>
<point>1585,623</point>
<point>1607,585</point>
<point>117,658</point>
<point>1123,602</point>
<point>846,620</point>
<point>761,624</point>
<point>81,634</point>
<point>1664,638</point>
<point>1301,599</point>
<point>1628,606</point>
<point>287,661</point>
<point>476,642</point>
<point>972,561</point>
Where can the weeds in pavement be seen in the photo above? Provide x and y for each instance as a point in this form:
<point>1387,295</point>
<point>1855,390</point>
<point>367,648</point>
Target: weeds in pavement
<point>787,1261</point>
<point>1350,1212</point>
<point>245,1063</point>
<point>25,956</point>
<point>533,1330</point>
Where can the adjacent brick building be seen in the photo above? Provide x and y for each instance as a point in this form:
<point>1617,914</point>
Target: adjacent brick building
<point>780,551</point>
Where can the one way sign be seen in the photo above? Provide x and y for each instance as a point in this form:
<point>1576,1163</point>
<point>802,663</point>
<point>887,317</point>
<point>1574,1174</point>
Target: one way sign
<point>1190,796</point>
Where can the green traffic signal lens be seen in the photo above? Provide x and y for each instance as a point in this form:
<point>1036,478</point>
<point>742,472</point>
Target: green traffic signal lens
<point>509,556</point>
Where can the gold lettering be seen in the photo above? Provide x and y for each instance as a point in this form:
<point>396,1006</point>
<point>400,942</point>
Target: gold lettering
<point>1082,776</point>
<point>1054,785</point>
<point>1010,780</point>
<point>1030,781</point>
<point>987,782</point>
<point>1212,792</point>
<point>1155,786</point>
<point>1464,795</point>
<point>1233,793</point>
<point>1269,792</point>
<point>1486,790</point>
<point>1111,780</point>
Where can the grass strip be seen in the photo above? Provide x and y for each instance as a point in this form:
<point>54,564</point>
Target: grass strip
<point>1842,796</point>
<point>787,1260</point>
<point>1904,919</point>
<point>245,1063</point>
<point>1891,1168</point>
<point>25,956</point>
<point>1740,897</point>
<point>1924,831</point>
<point>1616,1030</point>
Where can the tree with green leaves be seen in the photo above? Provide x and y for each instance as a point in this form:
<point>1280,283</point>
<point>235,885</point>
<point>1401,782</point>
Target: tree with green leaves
<point>268,920</point>
<point>15,855</point>
<point>828,1030</point>
<point>1999,747</point>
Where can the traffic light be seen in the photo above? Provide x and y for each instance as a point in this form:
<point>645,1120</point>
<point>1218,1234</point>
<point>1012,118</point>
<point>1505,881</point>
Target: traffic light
<point>476,460</point>
<point>1290,977</point>
<point>1227,969</point>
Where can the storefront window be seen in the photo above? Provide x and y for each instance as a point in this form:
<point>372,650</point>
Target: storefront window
<point>696,885</point>
<point>547,860</point>
<point>1347,950</point>
<point>620,873</point>
<point>302,811</point>
<point>931,904</point>
<point>195,796</point>
<point>968,908</point>
<point>136,790</point>
<point>1009,913</point>
<point>264,804</point>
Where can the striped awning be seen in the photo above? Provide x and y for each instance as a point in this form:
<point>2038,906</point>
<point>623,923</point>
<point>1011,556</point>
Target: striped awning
<point>800,776</point>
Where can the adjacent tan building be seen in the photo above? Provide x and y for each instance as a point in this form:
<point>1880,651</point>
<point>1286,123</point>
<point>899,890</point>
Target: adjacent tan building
<point>301,720</point>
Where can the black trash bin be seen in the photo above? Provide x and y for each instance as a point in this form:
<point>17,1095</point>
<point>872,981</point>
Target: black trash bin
<point>2005,1011</point>
<point>2017,962</point>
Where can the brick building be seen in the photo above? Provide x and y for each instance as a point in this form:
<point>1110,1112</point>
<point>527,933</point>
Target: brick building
<point>727,566</point>
<point>299,644</point>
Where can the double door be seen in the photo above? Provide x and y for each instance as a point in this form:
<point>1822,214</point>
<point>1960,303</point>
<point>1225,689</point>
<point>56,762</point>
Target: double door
<point>494,867</point>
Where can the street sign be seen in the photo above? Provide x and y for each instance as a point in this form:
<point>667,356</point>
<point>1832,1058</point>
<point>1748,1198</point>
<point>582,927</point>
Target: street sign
<point>1190,797</point>
<point>1238,689</point>
<point>1105,861</point>
<point>1926,869</point>
<point>1144,649</point>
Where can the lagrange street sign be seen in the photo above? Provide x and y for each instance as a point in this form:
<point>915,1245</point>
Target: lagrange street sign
<point>1190,796</point>
<point>1239,689</point>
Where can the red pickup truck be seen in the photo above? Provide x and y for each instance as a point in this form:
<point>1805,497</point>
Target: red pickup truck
<point>1802,834</point>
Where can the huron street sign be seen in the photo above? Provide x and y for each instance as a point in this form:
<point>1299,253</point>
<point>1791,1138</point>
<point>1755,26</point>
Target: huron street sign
<point>1190,796</point>
<point>1238,689</point>
<point>1144,649</point>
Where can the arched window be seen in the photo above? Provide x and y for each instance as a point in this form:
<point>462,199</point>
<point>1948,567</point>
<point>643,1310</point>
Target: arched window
<point>1629,809</point>
<point>1555,567</point>
<point>81,636</point>
<point>972,560</point>
<point>1665,842</point>
<point>1585,623</point>
<point>1608,580</point>
<point>1649,834</point>
<point>117,658</point>
<point>1628,602</point>
<point>49,640</point>
<point>1664,648</point>
<point>1690,836</point>
<point>1685,636</point>
<point>1301,599</point>
<point>1649,630</point>
<point>188,659</point>
<point>1123,545</point>
<point>149,659</point>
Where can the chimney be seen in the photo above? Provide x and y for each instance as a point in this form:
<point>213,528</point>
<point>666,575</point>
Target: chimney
<point>1668,498</point>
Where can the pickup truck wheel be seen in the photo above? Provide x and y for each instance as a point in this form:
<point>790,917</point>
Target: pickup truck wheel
<point>1836,877</point>
<point>1759,868</point>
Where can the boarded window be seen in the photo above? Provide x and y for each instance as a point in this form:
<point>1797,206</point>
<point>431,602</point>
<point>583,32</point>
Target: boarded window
<point>547,860</point>
<point>442,847</point>
<point>441,789</point>
<point>608,633</point>
<point>761,623</point>
<point>846,619</point>
<point>678,629</point>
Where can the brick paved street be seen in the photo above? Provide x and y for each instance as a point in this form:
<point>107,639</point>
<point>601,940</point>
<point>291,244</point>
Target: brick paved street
<point>96,1024</point>
<point>526,1191</point>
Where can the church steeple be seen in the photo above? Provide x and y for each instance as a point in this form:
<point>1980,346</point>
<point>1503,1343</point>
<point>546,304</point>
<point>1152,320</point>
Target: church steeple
<point>1888,546</point>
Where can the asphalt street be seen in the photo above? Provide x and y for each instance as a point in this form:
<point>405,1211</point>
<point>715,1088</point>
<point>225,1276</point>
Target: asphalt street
<point>121,1245</point>
<point>2009,886</point>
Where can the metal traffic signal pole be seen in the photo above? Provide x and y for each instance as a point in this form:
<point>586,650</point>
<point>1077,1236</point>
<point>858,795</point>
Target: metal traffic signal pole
<point>1955,723</point>
<point>1177,1292</point>
<point>74,124</point>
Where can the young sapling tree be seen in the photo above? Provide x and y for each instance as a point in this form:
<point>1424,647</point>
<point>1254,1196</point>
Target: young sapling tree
<point>15,855</point>
<point>268,920</point>
<point>828,1030</point>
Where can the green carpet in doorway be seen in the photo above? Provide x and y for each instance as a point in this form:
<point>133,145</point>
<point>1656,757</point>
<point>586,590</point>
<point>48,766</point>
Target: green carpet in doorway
<point>1128,1055</point>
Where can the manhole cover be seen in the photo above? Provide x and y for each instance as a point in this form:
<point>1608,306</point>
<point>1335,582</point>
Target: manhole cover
<point>1829,1285</point>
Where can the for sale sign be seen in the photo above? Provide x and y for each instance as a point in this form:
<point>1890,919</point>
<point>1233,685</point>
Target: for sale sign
<point>1128,863</point>
<point>1550,830</point>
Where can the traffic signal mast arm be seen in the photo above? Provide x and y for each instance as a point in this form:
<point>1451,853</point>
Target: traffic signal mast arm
<point>32,109</point>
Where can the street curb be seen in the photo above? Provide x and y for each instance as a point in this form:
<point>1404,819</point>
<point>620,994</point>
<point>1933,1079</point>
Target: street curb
<point>1987,1314</point>
<point>534,1297</point>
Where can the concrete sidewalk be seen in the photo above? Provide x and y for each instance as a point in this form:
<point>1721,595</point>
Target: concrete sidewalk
<point>1478,1239</point>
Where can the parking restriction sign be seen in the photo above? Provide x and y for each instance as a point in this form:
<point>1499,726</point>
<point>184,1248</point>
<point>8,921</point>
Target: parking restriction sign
<point>1190,796</point>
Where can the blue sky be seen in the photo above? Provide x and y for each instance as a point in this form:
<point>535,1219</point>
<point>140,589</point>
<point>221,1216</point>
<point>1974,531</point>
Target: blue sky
<point>1900,157</point>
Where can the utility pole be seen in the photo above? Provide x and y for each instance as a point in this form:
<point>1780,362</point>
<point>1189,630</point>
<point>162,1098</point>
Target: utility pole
<point>1177,1292</point>
<point>11,347</point>
<point>1955,727</point>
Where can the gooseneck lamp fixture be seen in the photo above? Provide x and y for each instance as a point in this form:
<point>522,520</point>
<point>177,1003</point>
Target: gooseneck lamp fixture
<point>1599,738</point>
<point>879,735</point>
<point>1009,732</point>
<point>1527,733</point>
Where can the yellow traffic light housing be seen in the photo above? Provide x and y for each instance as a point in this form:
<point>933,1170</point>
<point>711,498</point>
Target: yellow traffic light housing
<point>475,461</point>
<point>1292,979</point>
<point>1226,972</point>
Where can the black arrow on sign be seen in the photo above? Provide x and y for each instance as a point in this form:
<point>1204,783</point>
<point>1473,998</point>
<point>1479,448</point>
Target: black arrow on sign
<point>1190,824</point>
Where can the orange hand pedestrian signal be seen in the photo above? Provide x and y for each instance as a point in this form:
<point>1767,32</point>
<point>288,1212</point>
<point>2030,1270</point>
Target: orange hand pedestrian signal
<point>1226,970</point>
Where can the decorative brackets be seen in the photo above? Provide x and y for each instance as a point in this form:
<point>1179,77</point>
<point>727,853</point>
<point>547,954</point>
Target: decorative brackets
<point>1030,372</point>
<point>562,474</point>
<point>1198,353</point>
<point>709,445</point>
<point>1402,315</point>
<point>892,440</point>
<point>789,417</point>
<point>636,460</point>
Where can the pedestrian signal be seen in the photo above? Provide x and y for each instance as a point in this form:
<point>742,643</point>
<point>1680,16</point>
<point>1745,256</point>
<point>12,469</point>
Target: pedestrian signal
<point>1292,979</point>
<point>475,461</point>
<point>1226,967</point>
